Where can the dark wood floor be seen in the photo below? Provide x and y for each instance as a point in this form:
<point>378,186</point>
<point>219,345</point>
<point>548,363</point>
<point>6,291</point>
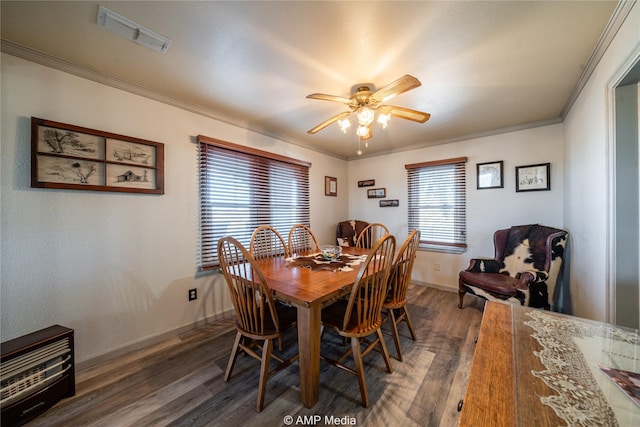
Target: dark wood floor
<point>179,382</point>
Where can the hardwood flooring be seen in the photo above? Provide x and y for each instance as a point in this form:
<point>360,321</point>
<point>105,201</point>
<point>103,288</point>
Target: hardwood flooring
<point>179,382</point>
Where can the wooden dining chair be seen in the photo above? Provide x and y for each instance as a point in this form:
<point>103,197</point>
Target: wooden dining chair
<point>395,304</point>
<point>259,319</point>
<point>302,240</point>
<point>370,235</point>
<point>361,315</point>
<point>266,242</point>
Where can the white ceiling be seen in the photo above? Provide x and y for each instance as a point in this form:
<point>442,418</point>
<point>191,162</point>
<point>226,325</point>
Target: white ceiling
<point>484,66</point>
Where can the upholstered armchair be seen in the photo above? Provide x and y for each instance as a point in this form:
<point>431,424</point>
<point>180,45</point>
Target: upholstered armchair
<point>524,269</point>
<point>347,232</point>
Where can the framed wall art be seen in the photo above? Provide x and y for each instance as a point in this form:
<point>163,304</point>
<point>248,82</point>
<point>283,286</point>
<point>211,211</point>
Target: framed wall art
<point>330,186</point>
<point>490,175</point>
<point>377,193</point>
<point>367,183</point>
<point>533,177</point>
<point>389,203</point>
<point>71,157</point>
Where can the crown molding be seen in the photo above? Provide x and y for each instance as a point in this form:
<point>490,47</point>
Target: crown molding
<point>38,57</point>
<point>622,10</point>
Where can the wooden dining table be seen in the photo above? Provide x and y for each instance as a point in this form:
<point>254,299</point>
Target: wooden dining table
<point>309,290</point>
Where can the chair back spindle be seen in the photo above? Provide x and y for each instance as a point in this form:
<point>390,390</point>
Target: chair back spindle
<point>266,242</point>
<point>370,235</point>
<point>302,240</point>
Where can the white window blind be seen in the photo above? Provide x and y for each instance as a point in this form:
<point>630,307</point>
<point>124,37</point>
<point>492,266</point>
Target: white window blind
<point>437,203</point>
<point>242,188</point>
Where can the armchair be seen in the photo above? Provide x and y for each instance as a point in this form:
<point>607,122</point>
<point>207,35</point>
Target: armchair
<point>347,232</point>
<point>524,269</point>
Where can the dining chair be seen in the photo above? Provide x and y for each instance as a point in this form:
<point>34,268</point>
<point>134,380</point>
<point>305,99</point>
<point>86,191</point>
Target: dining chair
<point>395,304</point>
<point>302,240</point>
<point>361,315</point>
<point>371,234</point>
<point>259,319</point>
<point>266,242</point>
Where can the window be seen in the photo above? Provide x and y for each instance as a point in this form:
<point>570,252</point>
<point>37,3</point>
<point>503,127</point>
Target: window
<point>437,206</point>
<point>242,188</point>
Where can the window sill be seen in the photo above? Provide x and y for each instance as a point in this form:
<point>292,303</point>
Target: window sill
<point>442,249</point>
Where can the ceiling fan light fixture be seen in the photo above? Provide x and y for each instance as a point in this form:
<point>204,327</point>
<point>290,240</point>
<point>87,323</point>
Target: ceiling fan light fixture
<point>365,116</point>
<point>383,119</point>
<point>362,131</point>
<point>344,124</point>
<point>366,103</point>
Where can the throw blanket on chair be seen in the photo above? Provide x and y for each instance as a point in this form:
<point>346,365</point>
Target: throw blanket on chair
<point>348,231</point>
<point>526,251</point>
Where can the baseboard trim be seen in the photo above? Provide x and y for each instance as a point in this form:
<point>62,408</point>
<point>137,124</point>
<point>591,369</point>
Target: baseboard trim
<point>433,285</point>
<point>163,336</point>
<point>149,341</point>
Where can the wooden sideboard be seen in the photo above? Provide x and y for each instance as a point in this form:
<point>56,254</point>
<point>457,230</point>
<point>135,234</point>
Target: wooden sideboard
<point>536,368</point>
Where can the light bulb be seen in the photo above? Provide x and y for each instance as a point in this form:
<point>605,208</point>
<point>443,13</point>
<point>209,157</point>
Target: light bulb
<point>362,131</point>
<point>365,116</point>
<point>344,124</point>
<point>383,119</point>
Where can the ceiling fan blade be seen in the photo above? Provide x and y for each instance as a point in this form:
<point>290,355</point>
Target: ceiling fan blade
<point>332,98</point>
<point>404,113</point>
<point>328,122</point>
<point>399,86</point>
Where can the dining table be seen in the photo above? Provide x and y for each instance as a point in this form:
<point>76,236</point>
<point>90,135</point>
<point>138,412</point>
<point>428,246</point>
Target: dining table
<point>534,367</point>
<point>309,283</point>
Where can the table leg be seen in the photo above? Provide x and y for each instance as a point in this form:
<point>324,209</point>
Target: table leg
<point>309,348</point>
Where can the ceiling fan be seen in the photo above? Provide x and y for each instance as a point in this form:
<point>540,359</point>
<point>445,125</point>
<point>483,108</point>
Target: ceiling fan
<point>366,103</point>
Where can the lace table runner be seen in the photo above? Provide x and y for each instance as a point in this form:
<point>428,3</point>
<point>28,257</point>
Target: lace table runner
<point>571,351</point>
<point>345,262</point>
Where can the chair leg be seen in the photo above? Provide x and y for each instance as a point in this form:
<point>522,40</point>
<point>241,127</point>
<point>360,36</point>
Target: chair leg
<point>385,353</point>
<point>409,323</point>
<point>461,292</point>
<point>394,332</point>
<point>264,373</point>
<point>233,357</point>
<point>359,368</point>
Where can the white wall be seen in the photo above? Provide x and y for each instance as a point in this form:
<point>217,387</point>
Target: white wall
<point>115,267</point>
<point>587,177</point>
<point>487,210</point>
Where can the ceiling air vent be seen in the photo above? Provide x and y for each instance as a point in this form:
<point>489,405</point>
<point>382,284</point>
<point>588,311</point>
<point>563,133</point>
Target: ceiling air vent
<point>130,30</point>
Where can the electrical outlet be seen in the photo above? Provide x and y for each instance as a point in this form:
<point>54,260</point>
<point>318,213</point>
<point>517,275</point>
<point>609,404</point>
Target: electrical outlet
<point>193,294</point>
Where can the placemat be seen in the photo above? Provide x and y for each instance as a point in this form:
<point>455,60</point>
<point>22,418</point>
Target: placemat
<point>315,261</point>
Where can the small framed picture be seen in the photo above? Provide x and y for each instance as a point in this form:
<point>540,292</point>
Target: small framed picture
<point>389,203</point>
<point>533,177</point>
<point>490,175</point>
<point>377,193</point>
<point>367,183</point>
<point>330,186</point>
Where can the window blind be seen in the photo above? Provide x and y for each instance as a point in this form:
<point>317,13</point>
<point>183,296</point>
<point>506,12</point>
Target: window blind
<point>242,188</point>
<point>437,203</point>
